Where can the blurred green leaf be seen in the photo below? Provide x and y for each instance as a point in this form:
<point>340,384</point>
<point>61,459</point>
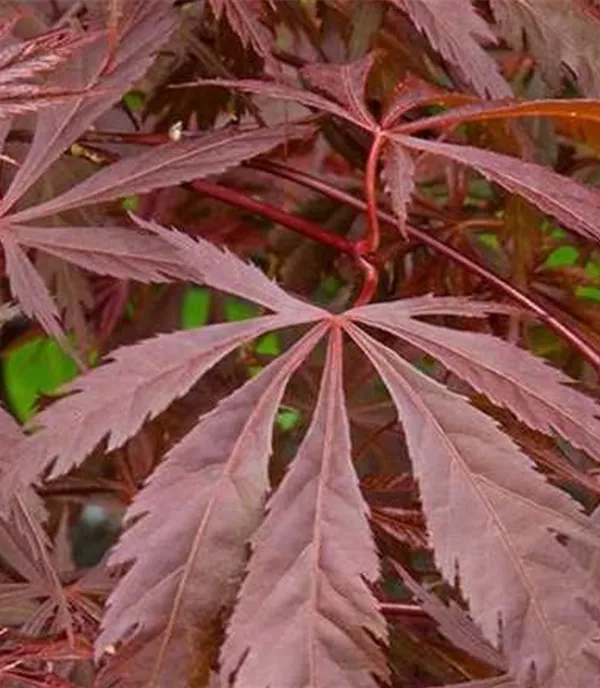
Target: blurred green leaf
<point>195,307</point>
<point>592,269</point>
<point>236,309</point>
<point>254,370</point>
<point>592,293</point>
<point>130,203</point>
<point>287,418</point>
<point>135,100</point>
<point>563,255</point>
<point>489,239</point>
<point>37,367</point>
<point>268,345</point>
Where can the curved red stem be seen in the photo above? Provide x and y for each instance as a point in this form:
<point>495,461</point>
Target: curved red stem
<point>370,279</point>
<point>513,292</point>
<point>371,242</point>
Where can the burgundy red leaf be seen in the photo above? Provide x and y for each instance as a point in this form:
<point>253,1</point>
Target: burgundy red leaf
<point>454,29</point>
<point>166,165</point>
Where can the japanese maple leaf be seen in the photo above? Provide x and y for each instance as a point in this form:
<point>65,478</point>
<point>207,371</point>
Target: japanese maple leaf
<point>244,17</point>
<point>305,613</point>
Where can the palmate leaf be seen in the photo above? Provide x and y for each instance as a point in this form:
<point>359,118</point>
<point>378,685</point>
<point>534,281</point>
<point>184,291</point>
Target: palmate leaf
<point>489,511</point>
<point>57,127</point>
<point>344,84</point>
<point>454,29</point>
<point>305,614</point>
<point>26,64</point>
<point>222,467</point>
<point>487,508</point>
<point>37,595</point>
<point>568,201</point>
<point>25,548</point>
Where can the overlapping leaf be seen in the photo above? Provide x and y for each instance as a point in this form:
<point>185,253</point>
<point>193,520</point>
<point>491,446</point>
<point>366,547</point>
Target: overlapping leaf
<point>346,84</point>
<point>452,622</point>
<point>99,85</point>
<point>305,615</point>
<point>27,284</point>
<point>490,512</point>
<point>499,682</point>
<point>570,202</point>
<point>399,170</point>
<point>575,110</point>
<point>557,33</point>
<point>343,84</point>
<point>117,251</point>
<point>38,598</point>
<point>203,262</point>
<point>26,64</point>
<point>109,250</point>
<point>454,29</point>
<point>166,165</point>
<point>222,468</point>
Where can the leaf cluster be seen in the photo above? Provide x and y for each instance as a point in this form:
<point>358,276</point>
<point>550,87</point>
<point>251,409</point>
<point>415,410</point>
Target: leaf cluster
<point>325,275</point>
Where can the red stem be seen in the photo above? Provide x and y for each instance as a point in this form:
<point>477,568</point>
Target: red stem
<point>513,292</point>
<point>293,222</point>
<point>371,242</point>
<point>370,280</point>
